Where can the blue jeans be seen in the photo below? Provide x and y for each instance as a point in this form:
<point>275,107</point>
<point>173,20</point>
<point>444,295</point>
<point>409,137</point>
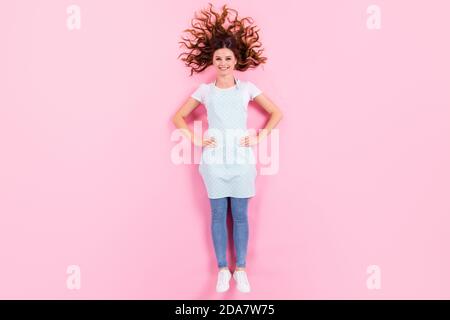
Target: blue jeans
<point>220,233</point>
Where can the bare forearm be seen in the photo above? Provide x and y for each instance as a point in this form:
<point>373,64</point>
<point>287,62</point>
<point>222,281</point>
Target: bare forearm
<point>181,124</point>
<point>275,118</point>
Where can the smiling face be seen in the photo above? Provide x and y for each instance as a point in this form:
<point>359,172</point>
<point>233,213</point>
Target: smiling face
<point>224,61</point>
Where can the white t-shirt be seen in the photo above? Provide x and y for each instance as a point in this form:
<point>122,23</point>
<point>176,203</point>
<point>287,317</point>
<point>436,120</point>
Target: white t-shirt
<point>249,90</point>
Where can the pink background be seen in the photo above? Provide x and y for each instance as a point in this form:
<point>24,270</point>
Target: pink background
<point>86,177</point>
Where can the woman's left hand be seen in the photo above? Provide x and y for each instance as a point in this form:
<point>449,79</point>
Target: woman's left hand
<point>249,141</point>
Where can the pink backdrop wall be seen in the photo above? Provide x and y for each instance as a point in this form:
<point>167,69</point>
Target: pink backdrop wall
<point>86,177</point>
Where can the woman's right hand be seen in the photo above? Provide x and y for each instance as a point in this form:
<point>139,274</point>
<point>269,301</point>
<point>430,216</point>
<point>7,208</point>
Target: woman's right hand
<point>207,142</point>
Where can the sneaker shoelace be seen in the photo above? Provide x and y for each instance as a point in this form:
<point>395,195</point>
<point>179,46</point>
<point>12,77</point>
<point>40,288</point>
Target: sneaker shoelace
<point>241,277</point>
<point>223,277</point>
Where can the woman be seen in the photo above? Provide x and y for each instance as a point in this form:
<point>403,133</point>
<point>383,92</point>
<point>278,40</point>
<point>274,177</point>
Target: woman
<point>227,165</point>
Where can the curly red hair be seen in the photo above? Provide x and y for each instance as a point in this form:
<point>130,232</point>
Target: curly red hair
<point>210,34</point>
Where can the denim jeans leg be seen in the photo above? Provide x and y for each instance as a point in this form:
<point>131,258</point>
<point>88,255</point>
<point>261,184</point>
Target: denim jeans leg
<point>239,208</point>
<point>219,229</point>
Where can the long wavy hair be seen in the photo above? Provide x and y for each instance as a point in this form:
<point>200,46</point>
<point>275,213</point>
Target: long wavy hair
<point>210,34</point>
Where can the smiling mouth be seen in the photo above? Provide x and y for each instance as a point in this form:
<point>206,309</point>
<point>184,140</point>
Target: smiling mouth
<point>224,68</point>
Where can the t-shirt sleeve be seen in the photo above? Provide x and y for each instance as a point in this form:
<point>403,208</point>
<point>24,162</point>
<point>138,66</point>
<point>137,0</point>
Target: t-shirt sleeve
<point>253,90</point>
<point>199,93</point>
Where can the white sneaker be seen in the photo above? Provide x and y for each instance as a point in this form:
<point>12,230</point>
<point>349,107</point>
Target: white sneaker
<point>241,280</point>
<point>223,280</point>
